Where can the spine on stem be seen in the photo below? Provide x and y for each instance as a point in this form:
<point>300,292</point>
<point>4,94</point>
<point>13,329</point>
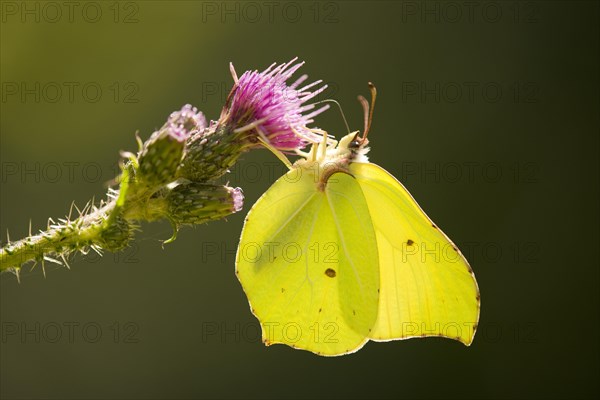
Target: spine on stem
<point>61,239</point>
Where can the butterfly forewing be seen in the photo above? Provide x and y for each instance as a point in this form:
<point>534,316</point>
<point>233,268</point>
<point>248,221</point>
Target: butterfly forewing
<point>308,263</point>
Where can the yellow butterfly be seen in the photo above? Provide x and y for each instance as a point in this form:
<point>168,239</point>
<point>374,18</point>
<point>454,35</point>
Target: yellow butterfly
<point>337,252</point>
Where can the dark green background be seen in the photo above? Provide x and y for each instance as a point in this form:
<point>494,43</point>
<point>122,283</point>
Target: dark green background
<point>527,217</point>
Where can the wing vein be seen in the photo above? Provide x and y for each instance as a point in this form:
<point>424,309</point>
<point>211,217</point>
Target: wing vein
<point>291,217</point>
<point>343,241</point>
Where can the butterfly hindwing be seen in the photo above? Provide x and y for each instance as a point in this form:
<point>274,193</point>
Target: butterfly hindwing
<point>427,286</point>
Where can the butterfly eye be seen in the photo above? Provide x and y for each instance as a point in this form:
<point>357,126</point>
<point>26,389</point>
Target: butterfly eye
<point>355,144</point>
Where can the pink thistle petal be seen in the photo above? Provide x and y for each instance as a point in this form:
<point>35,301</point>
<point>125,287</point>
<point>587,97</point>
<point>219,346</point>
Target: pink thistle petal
<point>182,123</point>
<point>269,107</point>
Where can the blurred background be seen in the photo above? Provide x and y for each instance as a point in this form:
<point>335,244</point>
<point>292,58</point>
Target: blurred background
<point>488,113</point>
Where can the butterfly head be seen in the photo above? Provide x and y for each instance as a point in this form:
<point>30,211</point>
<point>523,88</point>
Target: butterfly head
<point>353,147</point>
<point>330,157</point>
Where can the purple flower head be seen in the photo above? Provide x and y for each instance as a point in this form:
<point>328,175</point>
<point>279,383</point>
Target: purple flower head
<point>182,123</point>
<point>264,105</point>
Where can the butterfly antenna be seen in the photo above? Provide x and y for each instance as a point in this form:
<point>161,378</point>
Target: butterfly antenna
<point>368,110</point>
<point>339,107</point>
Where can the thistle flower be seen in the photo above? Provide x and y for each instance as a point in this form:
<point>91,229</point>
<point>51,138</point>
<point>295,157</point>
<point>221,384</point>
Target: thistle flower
<point>182,123</point>
<point>161,154</point>
<point>263,105</point>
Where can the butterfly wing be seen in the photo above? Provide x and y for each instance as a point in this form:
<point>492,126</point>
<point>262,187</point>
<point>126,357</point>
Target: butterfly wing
<point>427,286</point>
<point>308,263</point>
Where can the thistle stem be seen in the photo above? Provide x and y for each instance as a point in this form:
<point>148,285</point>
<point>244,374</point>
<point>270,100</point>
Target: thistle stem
<point>110,226</point>
<point>61,239</point>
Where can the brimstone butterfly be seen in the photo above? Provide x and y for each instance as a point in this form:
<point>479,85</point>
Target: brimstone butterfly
<point>337,252</point>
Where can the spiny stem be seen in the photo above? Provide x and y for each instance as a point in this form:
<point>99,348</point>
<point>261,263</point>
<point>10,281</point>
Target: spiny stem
<point>62,239</point>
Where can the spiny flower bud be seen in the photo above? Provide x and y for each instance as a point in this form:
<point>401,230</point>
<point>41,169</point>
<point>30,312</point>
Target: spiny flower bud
<point>196,203</point>
<point>162,152</point>
<point>210,153</point>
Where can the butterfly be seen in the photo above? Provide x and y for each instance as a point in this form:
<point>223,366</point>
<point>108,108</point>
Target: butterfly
<point>337,252</point>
